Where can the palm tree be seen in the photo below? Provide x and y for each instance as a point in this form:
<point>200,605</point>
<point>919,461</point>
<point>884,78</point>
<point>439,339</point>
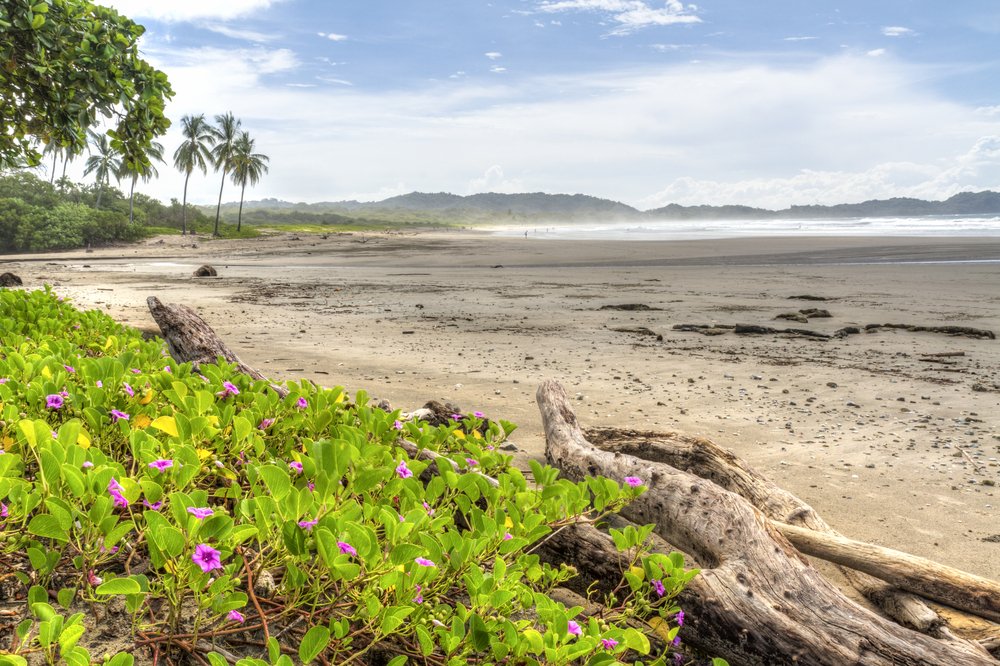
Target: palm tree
<point>225,134</point>
<point>104,163</point>
<point>193,153</point>
<point>247,166</point>
<point>141,166</point>
<point>54,148</point>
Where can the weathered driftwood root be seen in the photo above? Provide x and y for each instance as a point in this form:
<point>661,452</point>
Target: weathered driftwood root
<point>190,338</point>
<point>757,601</point>
<point>706,459</point>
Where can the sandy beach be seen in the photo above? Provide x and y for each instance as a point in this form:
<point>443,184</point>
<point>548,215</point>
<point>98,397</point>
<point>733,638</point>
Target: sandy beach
<point>892,435</point>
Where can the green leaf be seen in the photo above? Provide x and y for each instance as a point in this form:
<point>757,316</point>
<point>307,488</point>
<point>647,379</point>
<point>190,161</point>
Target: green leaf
<point>394,617</point>
<point>119,586</point>
<point>47,526</point>
<point>313,643</point>
<point>121,659</point>
<point>38,21</point>
<point>65,597</point>
<point>397,661</point>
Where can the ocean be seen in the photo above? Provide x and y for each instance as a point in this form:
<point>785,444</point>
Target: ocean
<point>930,226</point>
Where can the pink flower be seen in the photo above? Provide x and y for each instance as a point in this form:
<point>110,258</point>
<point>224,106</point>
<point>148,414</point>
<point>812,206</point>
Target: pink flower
<point>162,464</point>
<point>115,490</point>
<point>478,415</point>
<point>235,616</point>
<point>70,369</point>
<point>136,371</point>
<point>419,598</point>
<point>633,481</point>
<point>118,415</point>
<point>424,562</point>
<point>302,403</point>
<point>93,579</point>
<point>658,586</point>
<point>398,425</point>
<point>574,628</point>
<point>200,512</point>
<point>128,389</point>
<point>507,536</point>
<point>155,506</point>
<point>429,509</point>
<point>609,643</point>
<point>265,424</point>
<point>228,388</point>
<point>206,557</point>
<point>347,549</point>
<point>456,417</point>
<point>295,466</point>
<point>402,471</point>
<point>472,462</point>
<point>3,510</point>
<point>680,618</point>
<point>307,525</point>
<point>87,464</point>
<point>100,384</point>
<point>54,401</point>
<point>166,369</point>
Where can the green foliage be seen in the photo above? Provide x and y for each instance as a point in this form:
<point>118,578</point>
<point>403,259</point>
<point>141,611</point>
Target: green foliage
<point>63,63</point>
<point>223,493</point>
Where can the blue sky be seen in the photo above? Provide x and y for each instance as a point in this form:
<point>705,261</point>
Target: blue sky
<point>645,101</point>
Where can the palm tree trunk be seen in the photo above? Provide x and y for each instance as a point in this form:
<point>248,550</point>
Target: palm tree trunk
<point>65,164</point>
<point>218,209</point>
<point>131,199</point>
<point>239,220</point>
<point>55,156</point>
<point>100,193</point>
<point>184,205</point>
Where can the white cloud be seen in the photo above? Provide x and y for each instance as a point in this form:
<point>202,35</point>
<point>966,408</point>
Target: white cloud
<point>897,31</point>
<point>494,180</point>
<point>493,55</point>
<point>187,10</point>
<point>631,15</point>
<point>236,33</point>
<point>332,36</point>
<point>875,53</point>
<point>496,69</point>
<point>841,129</point>
<point>800,39</point>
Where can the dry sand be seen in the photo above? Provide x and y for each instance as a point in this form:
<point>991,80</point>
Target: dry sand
<point>888,447</point>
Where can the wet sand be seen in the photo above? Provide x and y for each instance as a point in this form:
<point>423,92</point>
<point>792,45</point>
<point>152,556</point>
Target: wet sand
<point>892,441</point>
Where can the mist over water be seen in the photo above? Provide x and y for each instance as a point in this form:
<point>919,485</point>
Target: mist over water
<point>930,226</point>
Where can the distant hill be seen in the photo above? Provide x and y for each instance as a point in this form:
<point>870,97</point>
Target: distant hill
<point>443,208</point>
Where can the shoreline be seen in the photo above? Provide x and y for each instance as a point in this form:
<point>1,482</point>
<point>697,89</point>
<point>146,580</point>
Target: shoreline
<point>415,317</point>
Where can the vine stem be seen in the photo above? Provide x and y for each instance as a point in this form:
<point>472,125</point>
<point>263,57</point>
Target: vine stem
<point>253,596</point>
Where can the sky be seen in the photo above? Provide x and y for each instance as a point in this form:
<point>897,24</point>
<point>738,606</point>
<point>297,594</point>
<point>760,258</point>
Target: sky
<point>648,102</point>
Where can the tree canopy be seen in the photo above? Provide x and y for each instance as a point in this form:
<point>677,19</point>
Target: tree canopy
<point>62,64</point>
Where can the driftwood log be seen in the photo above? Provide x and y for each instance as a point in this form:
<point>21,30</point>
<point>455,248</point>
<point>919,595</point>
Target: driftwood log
<point>757,600</point>
<point>190,338</point>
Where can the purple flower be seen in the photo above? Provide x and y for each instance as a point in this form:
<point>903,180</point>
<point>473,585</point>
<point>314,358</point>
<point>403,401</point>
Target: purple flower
<point>678,659</point>
<point>307,525</point>
<point>398,425</point>
<point>676,642</point>
<point>54,401</point>
<point>166,369</point>
<point>347,549</point>
<point>200,512</point>
<point>100,384</point>
<point>115,490</point>
<point>609,643</point>
<point>3,510</point>
<point>301,403</point>
<point>507,536</point>
<point>128,389</point>
<point>162,464</point>
<point>311,486</point>
<point>265,424</point>
<point>402,471</point>
<point>633,481</point>
<point>136,371</point>
<point>295,466</point>
<point>204,378</point>
<point>429,509</point>
<point>235,616</point>
<point>206,557</point>
<point>478,415</point>
<point>424,562</point>
<point>419,598</point>
<point>93,578</point>
<point>155,506</point>
<point>680,618</point>
<point>118,415</point>
<point>70,369</point>
<point>228,388</point>
<point>456,417</point>
<point>472,462</point>
<point>574,628</point>
<point>658,586</point>
<point>63,393</point>
<point>87,464</point>
<point>4,380</point>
